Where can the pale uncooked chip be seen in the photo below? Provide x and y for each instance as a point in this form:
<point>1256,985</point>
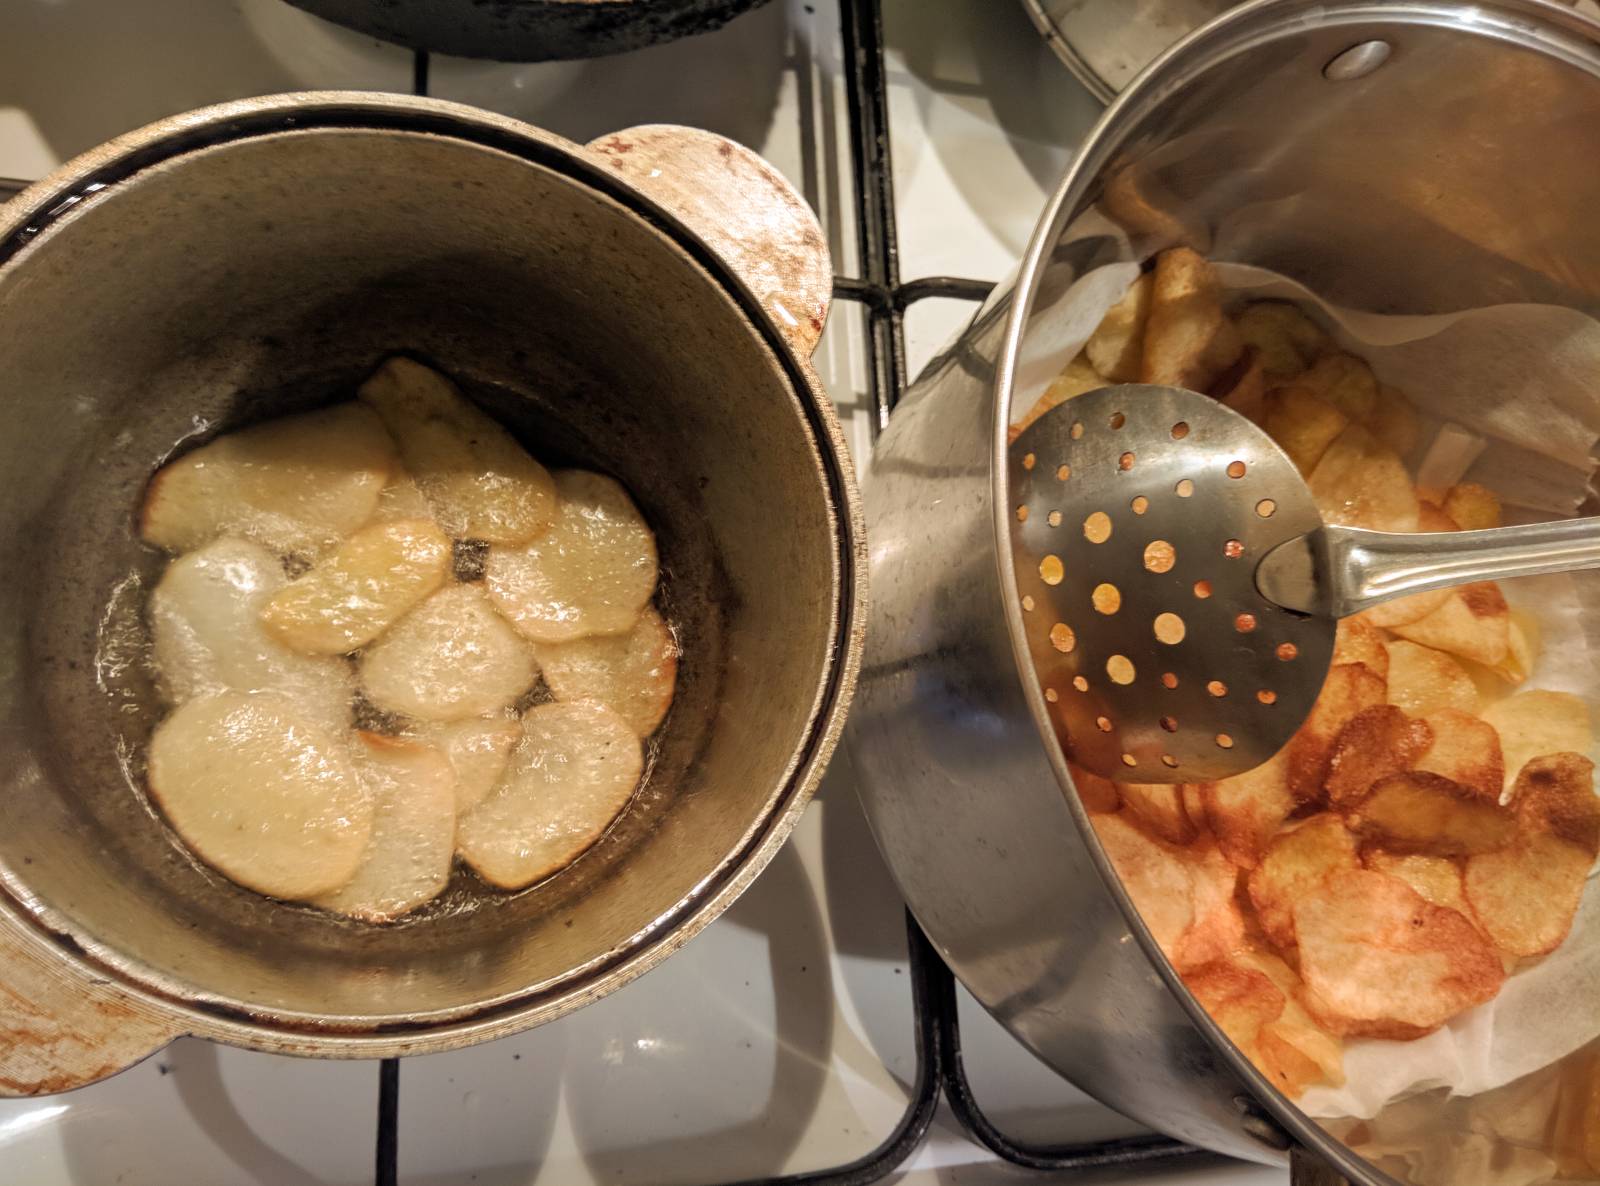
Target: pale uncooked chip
<point>478,751</point>
<point>352,596</point>
<point>591,574</point>
<point>576,768</point>
<point>1535,723</point>
<point>480,483</point>
<point>634,672</point>
<point>407,860</point>
<point>451,658</point>
<point>205,622</point>
<point>261,793</point>
<point>298,484</point>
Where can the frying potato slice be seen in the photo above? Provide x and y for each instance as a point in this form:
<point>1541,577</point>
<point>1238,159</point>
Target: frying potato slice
<point>1356,640</point>
<point>1348,689</point>
<point>1381,962</point>
<point>1243,387</point>
<point>1158,809</point>
<point>1427,813</point>
<point>1525,896</point>
<point>205,624</point>
<point>477,751</point>
<point>1075,378</point>
<point>1423,680</point>
<point>1437,879</point>
<point>1116,348</point>
<point>591,574</point>
<point>298,484</point>
<point>354,595</point>
<point>1188,340</point>
<point>1344,381</point>
<point>1472,506</point>
<point>1098,795</point>
<point>1375,743</point>
<point>261,793</point>
<point>401,499</point>
<point>1465,750</point>
<point>1361,483</point>
<point>1245,812</point>
<point>1534,723</point>
<point>1555,794</point>
<point>1286,339</point>
<point>1155,877</point>
<point>480,483</point>
<point>1296,862</point>
<point>1473,622</point>
<point>407,860</point>
<point>634,672</point>
<point>1303,424</point>
<point>1394,421</point>
<point>1401,610</point>
<point>1240,1000</point>
<point>450,658</point>
<point>575,770</point>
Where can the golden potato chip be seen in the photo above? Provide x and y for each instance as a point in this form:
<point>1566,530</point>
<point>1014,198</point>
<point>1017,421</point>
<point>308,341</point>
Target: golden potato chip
<point>1098,795</point>
<point>1421,812</point>
<point>1379,961</point>
<point>1245,812</point>
<point>1244,387</point>
<point>1554,794</point>
<point>1344,381</point>
<point>1349,688</point>
<point>1155,877</point>
<point>1356,640</point>
<point>1525,896</point>
<point>1473,622</point>
<point>1472,506</point>
<point>1188,340</point>
<point>1239,1000</point>
<point>1194,806</point>
<point>1430,517</point>
<point>1286,339</point>
<point>1539,722</point>
<point>1404,609</point>
<point>1116,348</point>
<point>1437,879</point>
<point>1296,862</point>
<point>1158,809</point>
<point>1361,483</point>
<point>1522,647</point>
<point>1218,927</point>
<point>1423,680</point>
<point>1077,377</point>
<point>1466,750</point>
<point>1302,423</point>
<point>1375,743</point>
<point>1293,1050</point>
<point>1394,421</point>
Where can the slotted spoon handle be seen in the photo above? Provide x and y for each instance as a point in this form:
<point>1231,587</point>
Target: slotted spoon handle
<point>1339,571</point>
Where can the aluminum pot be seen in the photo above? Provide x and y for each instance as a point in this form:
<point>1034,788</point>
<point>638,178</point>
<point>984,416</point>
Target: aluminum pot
<point>645,306</point>
<point>1455,172</point>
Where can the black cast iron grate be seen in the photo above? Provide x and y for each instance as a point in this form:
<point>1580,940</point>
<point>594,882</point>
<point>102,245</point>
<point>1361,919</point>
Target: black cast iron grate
<point>884,299</point>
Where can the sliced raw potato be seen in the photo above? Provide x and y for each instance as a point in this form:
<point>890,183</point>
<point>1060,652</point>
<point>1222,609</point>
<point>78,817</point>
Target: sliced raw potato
<point>354,595</point>
<point>1525,896</point>
<point>1098,795</point>
<point>1531,724</point>
<point>480,483</point>
<point>591,574</point>
<point>1427,813</point>
<point>451,658</point>
<point>1240,1000</point>
<point>1380,961</point>
<point>1465,750</point>
<point>1394,421</point>
<point>1554,795</point>
<point>634,672</point>
<point>298,484</point>
<point>1076,378</point>
<point>1296,862</point>
<point>261,793</point>
<point>1188,340</point>
<point>1473,622</point>
<point>1423,680</point>
<point>1116,348</point>
<point>1344,381</point>
<point>1243,387</point>
<point>1286,339</point>
<point>1303,424</point>
<point>1158,809</point>
<point>1155,876</point>
<point>1349,688</point>
<point>1245,812</point>
<point>1359,482</point>
<point>401,499</point>
<point>205,624</point>
<point>407,860</point>
<point>1404,609</point>
<point>1356,640</point>
<point>575,769</point>
<point>1437,879</point>
<point>1375,743</point>
<point>1473,507</point>
<point>477,750</point>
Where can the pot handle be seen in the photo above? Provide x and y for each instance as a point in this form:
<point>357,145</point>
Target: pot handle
<point>60,1026</point>
<point>743,209</point>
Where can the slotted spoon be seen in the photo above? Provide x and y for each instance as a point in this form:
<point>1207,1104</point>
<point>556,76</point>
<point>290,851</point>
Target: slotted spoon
<point>1180,590</point>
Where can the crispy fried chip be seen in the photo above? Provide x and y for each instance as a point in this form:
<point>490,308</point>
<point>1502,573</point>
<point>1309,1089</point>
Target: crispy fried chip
<point>1554,794</point>
<point>1245,812</point>
<point>1472,506</point>
<point>1522,646</point>
<point>1360,482</point>
<point>1525,896</point>
<point>1154,875</point>
<point>1473,622</point>
<point>1423,680</point>
<point>1428,813</point>
<point>1244,387</point>
<point>1466,750</point>
<point>1098,795</point>
<point>1394,421</point>
<point>1077,377</point>
<point>1158,809</point>
<point>1356,640</point>
<point>1218,927</point>
<point>1302,423</point>
<point>1188,340</point>
<point>1344,381</point>
<point>1296,862</point>
<point>1437,879</point>
<point>1404,609</point>
<point>1349,688</point>
<point>1116,348</point>
<point>1380,961</point>
<point>1240,1000</point>
<point>1375,743</point>
<point>1293,1050</point>
<point>1285,338</point>
<point>1539,722</point>
<point>1430,517</point>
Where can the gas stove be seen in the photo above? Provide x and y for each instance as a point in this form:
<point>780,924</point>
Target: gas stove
<point>809,1031</point>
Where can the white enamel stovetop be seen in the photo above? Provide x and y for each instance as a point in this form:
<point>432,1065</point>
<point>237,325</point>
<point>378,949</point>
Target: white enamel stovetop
<point>779,1040</point>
